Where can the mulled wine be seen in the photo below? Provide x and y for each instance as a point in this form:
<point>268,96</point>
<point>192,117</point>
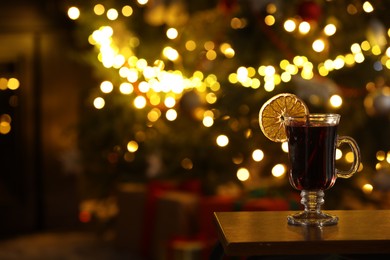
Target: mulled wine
<point>312,143</point>
<point>312,155</point>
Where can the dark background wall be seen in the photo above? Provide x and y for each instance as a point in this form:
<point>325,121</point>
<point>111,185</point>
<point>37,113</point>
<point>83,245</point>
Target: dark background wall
<point>38,170</point>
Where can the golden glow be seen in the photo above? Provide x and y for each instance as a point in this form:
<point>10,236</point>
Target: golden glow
<point>329,65</point>
<point>269,86</point>
<point>169,102</point>
<point>367,7</point>
<point>359,57</point>
<point>233,78</point>
<point>285,77</point>
<point>73,13</point>
<point>132,146</point>
<point>172,33</point>
<point>339,154</point>
<point>318,45</point>
<point>378,166</point>
<point>222,140</point>
<point>190,45</point>
<point>211,98</point>
<point>106,86</point>
<point>283,64</point>
<point>5,124</point>
<point>349,157</point>
<point>143,87</point>
<point>112,14</point>
<point>224,47</point>
<point>142,2</point>
<point>330,29</point>
<point>304,27</point>
<point>126,88</point>
<point>5,128</point>
<point>349,59</point>
<point>299,60</point>
<point>199,75</point>
<point>154,115</point>
<point>13,83</point>
<point>307,71</point>
<point>269,20</point>
<point>365,45</point>
<point>98,103</point>
<point>208,121</point>
<point>376,50</point>
<point>99,9</point>
<point>323,71</point>
<point>367,188</point>
<point>292,69</point>
<point>227,50</point>
<point>156,80</point>
<point>171,114</point>
<point>279,170</point>
<point>339,62</point>
<point>118,61</point>
<point>243,174</point>
<point>127,10</point>
<point>238,23</point>
<point>257,155</point>
<point>380,155</point>
<point>336,101</point>
<point>285,147</point>
<point>211,55</point>
<point>208,118</point>
<point>170,53</point>
<point>388,64</point>
<point>132,75</point>
<point>361,167</point>
<point>242,74</point>
<point>388,52</point>
<point>149,72</point>
<point>355,48</point>
<point>3,83</point>
<point>209,45</point>
<point>388,157</point>
<point>269,71</point>
<point>140,102</point>
<point>141,64</point>
<point>289,25</point>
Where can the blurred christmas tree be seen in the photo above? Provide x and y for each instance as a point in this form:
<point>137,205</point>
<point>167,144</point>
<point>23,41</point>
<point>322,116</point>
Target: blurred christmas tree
<point>182,83</point>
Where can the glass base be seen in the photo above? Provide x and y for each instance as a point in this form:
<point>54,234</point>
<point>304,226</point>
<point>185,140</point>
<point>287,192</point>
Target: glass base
<point>312,215</point>
<point>312,219</point>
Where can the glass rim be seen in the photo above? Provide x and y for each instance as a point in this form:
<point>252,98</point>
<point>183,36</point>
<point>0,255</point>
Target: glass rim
<point>315,115</point>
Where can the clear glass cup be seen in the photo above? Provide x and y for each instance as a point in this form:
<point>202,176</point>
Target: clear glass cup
<point>312,143</point>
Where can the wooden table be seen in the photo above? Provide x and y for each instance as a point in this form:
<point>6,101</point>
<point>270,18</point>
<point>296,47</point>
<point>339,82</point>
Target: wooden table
<point>267,233</point>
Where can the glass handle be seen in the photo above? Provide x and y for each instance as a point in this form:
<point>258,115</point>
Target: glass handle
<point>356,156</point>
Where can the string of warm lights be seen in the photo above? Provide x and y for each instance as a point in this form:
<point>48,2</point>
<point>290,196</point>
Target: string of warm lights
<point>158,89</point>
<point>274,75</point>
<point>5,118</point>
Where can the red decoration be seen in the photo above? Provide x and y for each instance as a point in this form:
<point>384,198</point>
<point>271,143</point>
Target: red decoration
<point>228,6</point>
<point>310,11</point>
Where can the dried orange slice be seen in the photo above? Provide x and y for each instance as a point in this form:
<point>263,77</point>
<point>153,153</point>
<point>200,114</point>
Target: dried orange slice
<point>273,112</point>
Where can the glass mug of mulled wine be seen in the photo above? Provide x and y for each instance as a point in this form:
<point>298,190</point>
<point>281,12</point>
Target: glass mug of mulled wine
<point>312,143</point>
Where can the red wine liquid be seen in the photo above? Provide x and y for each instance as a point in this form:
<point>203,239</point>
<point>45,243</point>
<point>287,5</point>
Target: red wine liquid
<point>311,152</point>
